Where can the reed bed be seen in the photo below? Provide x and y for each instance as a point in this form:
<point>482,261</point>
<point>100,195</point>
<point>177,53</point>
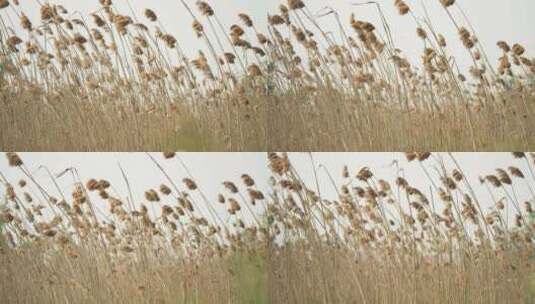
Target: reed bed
<point>116,81</point>
<point>376,241</point>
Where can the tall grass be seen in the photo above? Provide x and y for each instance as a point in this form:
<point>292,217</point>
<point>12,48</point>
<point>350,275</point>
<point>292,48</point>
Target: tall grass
<point>376,241</point>
<point>113,81</point>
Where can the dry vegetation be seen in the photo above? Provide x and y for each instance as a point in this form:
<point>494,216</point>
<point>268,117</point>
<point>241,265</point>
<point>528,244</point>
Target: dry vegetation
<point>375,242</point>
<point>111,81</point>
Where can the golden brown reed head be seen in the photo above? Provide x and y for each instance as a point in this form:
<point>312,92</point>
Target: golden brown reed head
<point>504,46</point>
<point>441,41</point>
<point>13,159</point>
<point>229,58</point>
<point>274,20</point>
<point>98,20</point>
<point>279,164</point>
<point>190,184</point>
<point>13,41</point>
<point>247,180</point>
<point>205,8</point>
<point>151,15</point>
<point>518,50</point>
<point>516,172</point>
<point>25,22</point>
<point>230,186</point>
<point>234,206</point>
<point>152,196</point>
<point>246,19</point>
<point>447,3</point>
<point>295,4</point>
<point>253,70</point>
<point>236,30</point>
<point>165,190</point>
<point>198,28</point>
<point>311,62</point>
<point>4,4</point>
<point>421,33</point>
<point>169,155</point>
<point>519,154</point>
<point>169,40</point>
<point>402,7</point>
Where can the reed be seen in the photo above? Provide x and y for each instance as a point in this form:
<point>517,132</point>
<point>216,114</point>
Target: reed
<point>111,81</point>
<point>376,241</point>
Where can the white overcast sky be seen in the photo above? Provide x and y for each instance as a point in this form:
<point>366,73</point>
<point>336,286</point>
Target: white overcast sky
<point>510,20</point>
<point>209,170</point>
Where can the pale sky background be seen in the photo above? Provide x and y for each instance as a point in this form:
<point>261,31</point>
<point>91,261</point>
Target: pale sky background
<point>209,170</point>
<point>510,20</point>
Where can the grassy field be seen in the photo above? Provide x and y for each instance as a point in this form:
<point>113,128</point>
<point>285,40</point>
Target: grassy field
<point>377,241</point>
<point>113,81</point>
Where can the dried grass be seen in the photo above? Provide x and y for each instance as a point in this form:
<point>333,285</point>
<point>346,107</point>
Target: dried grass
<point>118,84</point>
<point>377,241</point>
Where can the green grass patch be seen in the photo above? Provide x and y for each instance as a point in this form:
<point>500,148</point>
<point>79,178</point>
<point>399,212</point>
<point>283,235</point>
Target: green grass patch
<point>251,278</point>
<point>189,137</point>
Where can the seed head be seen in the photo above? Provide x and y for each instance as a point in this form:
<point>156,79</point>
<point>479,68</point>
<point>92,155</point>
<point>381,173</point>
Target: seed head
<point>255,195</point>
<point>246,20</point>
<point>230,186</point>
<point>254,71</point>
<point>4,4</point>
<point>229,58</point>
<point>493,180</point>
<point>169,40</point>
<point>198,28</point>
<point>421,33</point>
<point>519,154</point>
<point>504,177</point>
<point>25,22</point>
<point>262,39</point>
<point>518,49</point>
<point>92,185</point>
<point>236,30</point>
<point>516,172</point>
<point>13,41</point>
<point>50,233</point>
<point>447,3</point>
<point>278,164</point>
<point>441,40</point>
<point>466,38</point>
<point>364,174</point>
<point>402,7</point>
<point>410,156</point>
<point>14,159</point>
<point>295,4</point>
<point>449,183</point>
<point>504,46</point>
<point>152,196</point>
<point>247,180</point>
<point>457,175</point>
<point>423,155</point>
<point>169,155</point>
<point>233,206</point>
<point>275,20</point>
<point>151,15</point>
<point>165,190</point>
<point>190,184</point>
<point>205,8</point>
